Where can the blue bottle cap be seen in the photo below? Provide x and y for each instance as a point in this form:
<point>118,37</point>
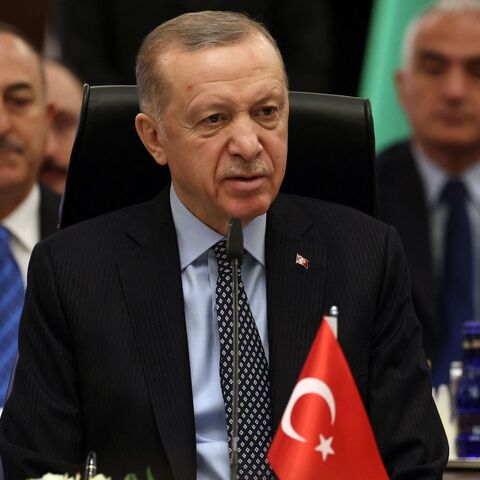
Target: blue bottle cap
<point>471,328</point>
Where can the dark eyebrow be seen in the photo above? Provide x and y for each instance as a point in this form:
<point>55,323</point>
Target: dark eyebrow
<point>16,87</point>
<point>473,60</point>
<point>433,55</point>
<point>430,55</point>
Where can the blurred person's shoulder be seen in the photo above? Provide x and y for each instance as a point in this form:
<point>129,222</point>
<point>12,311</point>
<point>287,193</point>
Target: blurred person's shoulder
<point>393,158</point>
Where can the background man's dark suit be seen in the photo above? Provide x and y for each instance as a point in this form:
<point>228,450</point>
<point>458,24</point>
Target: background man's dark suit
<point>403,205</point>
<point>114,314</point>
<point>49,214</point>
<point>49,211</point>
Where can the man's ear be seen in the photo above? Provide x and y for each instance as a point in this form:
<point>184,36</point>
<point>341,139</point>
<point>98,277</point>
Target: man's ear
<point>151,136</point>
<point>400,84</point>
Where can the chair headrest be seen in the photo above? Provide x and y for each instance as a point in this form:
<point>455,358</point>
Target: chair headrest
<point>331,154</point>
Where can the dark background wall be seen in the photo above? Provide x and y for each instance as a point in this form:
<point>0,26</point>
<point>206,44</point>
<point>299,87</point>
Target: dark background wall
<point>322,41</point>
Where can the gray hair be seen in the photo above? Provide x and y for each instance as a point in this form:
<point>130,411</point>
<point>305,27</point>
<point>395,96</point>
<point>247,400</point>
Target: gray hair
<point>191,32</point>
<point>439,7</point>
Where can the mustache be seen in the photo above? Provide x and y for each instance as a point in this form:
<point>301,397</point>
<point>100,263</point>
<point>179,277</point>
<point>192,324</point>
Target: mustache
<point>241,168</point>
<point>50,166</point>
<point>7,143</point>
<point>455,108</point>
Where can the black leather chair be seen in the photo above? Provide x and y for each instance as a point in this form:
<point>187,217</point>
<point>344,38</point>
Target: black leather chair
<point>331,154</point>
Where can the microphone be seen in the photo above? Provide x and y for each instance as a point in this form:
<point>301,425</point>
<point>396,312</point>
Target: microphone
<point>235,241</point>
<point>235,253</point>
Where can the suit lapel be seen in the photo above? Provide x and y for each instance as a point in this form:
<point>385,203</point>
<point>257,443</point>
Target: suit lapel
<point>410,217</point>
<point>150,265</point>
<point>151,279</point>
<point>413,222</point>
<point>294,296</point>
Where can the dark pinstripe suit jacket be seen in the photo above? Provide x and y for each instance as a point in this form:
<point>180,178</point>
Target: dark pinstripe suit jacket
<point>403,205</point>
<point>104,361</point>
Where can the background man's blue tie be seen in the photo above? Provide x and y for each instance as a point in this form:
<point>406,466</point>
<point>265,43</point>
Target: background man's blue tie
<point>456,302</point>
<point>11,302</point>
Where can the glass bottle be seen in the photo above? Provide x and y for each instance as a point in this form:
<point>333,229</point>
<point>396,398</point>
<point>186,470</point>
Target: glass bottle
<point>468,394</point>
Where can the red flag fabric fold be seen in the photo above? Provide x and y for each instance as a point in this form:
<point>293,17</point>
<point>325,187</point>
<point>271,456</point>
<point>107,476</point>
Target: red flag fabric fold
<point>325,432</point>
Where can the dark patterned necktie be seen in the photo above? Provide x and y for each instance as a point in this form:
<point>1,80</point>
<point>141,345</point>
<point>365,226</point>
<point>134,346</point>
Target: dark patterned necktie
<point>456,302</point>
<point>254,428</point>
<point>11,302</point>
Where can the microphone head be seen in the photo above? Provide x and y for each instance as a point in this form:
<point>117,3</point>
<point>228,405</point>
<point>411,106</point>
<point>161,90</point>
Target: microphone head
<point>235,240</point>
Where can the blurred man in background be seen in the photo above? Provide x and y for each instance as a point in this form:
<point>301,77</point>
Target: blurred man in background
<point>28,212</point>
<point>430,185</point>
<point>64,93</point>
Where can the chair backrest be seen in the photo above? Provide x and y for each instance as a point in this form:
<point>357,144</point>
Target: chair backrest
<point>331,154</point>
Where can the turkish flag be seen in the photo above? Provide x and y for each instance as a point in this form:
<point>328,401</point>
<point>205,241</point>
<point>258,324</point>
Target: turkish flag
<point>325,432</point>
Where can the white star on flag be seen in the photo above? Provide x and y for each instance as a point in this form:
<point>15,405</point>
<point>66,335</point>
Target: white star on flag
<point>325,446</point>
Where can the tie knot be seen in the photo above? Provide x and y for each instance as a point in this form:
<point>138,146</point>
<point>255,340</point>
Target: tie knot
<point>220,249</point>
<point>4,234</point>
<point>454,193</point>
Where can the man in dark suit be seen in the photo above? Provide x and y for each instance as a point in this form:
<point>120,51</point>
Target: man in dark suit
<point>121,337</point>
<point>439,89</point>
<point>28,212</point>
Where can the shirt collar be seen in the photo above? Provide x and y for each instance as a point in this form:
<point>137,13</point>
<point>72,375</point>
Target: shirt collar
<point>472,181</point>
<point>194,237</point>
<point>434,178</point>
<point>23,223</point>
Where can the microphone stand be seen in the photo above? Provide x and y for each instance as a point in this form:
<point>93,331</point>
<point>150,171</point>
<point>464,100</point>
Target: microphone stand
<point>234,459</point>
<point>235,254</point>
<point>90,466</point>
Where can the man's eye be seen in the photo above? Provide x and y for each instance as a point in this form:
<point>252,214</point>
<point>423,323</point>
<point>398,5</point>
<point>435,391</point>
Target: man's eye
<point>432,66</point>
<point>213,119</point>
<point>267,111</point>
<point>474,69</point>
<point>20,102</point>
<point>64,121</point>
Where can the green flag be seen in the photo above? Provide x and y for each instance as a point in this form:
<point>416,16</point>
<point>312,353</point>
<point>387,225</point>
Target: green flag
<point>383,57</point>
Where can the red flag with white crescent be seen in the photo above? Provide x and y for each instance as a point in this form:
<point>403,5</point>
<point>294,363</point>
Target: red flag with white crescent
<point>325,431</point>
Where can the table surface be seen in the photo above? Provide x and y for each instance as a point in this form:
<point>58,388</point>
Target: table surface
<point>461,474</point>
<point>462,469</point>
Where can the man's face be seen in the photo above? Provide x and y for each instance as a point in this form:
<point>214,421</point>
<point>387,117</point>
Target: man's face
<point>440,85</point>
<point>225,129</point>
<point>23,117</point>
<point>64,93</point>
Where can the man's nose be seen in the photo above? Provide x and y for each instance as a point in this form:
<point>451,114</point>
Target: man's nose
<point>5,120</point>
<point>51,145</point>
<point>456,84</point>
<point>244,140</point>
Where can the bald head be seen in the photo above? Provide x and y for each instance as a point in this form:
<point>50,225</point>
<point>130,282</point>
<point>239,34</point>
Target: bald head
<point>25,42</point>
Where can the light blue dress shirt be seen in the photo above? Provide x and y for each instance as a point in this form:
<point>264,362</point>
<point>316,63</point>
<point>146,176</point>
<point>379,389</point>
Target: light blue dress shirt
<point>199,277</point>
<point>434,180</point>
